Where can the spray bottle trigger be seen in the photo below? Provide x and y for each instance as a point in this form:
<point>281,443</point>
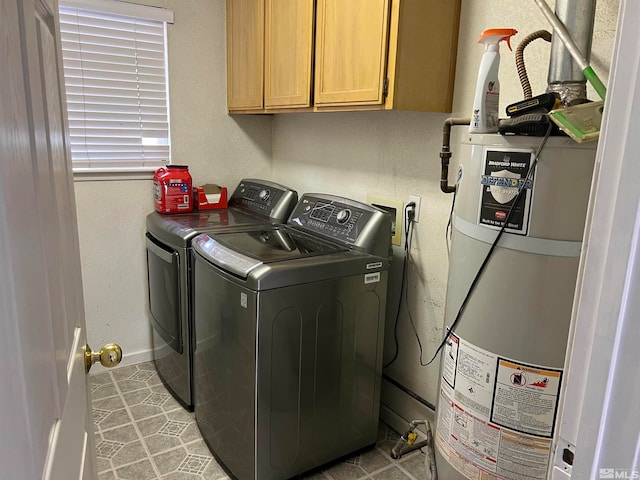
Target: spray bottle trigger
<point>493,36</point>
<point>508,39</point>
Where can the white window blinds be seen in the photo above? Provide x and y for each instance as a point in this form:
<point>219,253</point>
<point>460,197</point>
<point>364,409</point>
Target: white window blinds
<point>115,69</point>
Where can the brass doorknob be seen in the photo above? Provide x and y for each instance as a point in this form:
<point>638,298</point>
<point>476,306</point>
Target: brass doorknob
<point>108,356</point>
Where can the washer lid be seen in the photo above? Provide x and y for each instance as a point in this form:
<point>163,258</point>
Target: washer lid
<point>241,252</point>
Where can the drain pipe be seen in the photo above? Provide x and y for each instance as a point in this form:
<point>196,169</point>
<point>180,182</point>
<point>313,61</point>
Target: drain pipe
<point>445,154</point>
<point>565,76</point>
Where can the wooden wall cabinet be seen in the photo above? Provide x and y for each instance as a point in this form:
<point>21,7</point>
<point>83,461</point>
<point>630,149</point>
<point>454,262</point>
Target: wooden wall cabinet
<point>245,54</point>
<point>386,54</point>
<point>269,54</point>
<point>369,55</point>
<point>351,51</point>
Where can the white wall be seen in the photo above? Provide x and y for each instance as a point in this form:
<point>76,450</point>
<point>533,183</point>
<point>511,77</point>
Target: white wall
<point>391,154</point>
<point>395,154</point>
<point>218,148</point>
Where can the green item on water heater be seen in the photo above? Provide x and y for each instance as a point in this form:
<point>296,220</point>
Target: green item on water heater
<point>580,122</point>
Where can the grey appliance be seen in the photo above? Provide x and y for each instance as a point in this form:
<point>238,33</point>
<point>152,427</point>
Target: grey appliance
<point>168,243</point>
<point>289,326</point>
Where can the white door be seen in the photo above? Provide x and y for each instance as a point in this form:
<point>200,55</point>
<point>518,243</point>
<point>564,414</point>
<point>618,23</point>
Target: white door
<point>44,408</point>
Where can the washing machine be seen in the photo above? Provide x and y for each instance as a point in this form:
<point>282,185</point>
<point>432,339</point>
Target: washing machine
<point>168,242</point>
<point>289,326</point>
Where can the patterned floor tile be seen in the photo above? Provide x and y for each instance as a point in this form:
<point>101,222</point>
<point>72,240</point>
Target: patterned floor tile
<point>101,378</point>
<point>415,465</point>
<point>373,460</point>
<point>142,470</point>
<point>345,471</point>
<point>108,475</point>
<point>156,399</point>
<point>190,433</point>
<point>195,464</point>
<point>136,397</point>
<point>150,426</point>
<point>130,453</point>
<point>99,415</point>
<point>124,434</point>
<point>142,411</point>
<point>175,429</point>
<point>392,473</point>
<point>107,449</point>
<point>103,391</point>
<point>114,419</point>
<point>129,385</point>
<point>103,465</point>
<point>141,375</point>
<point>168,462</point>
<point>123,373</point>
<point>143,433</point>
<point>111,404</point>
<point>161,443</point>
<point>180,415</point>
<point>198,448</point>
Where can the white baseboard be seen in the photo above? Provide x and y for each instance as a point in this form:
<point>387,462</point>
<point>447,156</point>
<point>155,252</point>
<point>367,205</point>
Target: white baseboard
<point>398,408</point>
<point>127,359</point>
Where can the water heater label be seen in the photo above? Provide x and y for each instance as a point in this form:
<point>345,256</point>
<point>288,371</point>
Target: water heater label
<point>496,415</point>
<point>504,174</point>
<point>526,397</point>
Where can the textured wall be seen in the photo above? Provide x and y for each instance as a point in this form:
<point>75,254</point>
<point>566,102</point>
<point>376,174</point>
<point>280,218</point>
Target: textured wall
<point>395,154</point>
<point>218,149</point>
<point>392,154</point>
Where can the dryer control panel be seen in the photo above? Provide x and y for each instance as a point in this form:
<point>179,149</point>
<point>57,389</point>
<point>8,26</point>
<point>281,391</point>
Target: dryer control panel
<point>348,222</point>
<point>265,199</point>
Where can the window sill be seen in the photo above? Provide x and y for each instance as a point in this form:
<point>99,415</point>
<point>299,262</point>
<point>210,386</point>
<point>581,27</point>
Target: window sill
<point>97,176</point>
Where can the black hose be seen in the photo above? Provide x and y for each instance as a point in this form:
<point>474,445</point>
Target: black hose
<point>522,70</point>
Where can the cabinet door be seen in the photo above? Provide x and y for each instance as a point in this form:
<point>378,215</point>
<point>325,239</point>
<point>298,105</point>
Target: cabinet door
<point>245,54</point>
<point>351,49</point>
<point>288,55</point>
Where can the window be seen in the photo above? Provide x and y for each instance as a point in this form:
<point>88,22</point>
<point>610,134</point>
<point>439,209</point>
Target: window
<point>115,69</point>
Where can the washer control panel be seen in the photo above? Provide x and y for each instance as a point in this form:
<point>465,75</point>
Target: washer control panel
<point>265,199</point>
<point>342,220</point>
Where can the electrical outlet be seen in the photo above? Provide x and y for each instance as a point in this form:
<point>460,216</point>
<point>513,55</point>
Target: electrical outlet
<point>415,199</point>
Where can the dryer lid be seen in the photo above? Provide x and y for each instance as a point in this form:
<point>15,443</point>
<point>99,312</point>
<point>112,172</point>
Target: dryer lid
<point>178,229</point>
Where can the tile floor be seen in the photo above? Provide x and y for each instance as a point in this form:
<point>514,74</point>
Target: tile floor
<point>142,433</point>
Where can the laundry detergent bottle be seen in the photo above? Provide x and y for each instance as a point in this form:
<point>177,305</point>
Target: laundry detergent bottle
<point>172,189</point>
<point>484,118</point>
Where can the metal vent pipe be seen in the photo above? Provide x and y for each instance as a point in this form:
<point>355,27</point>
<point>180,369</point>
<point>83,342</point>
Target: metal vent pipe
<point>565,76</point>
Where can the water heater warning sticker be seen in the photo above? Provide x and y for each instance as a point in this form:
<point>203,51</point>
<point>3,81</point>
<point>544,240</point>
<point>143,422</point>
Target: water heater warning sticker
<point>450,360</point>
<point>504,174</point>
<point>495,416</point>
<point>526,398</point>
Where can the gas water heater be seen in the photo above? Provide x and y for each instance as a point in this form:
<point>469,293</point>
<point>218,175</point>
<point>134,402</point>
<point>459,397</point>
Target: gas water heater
<point>502,364</point>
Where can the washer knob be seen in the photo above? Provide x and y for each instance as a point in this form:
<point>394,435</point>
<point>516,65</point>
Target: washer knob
<point>264,195</point>
<point>343,215</point>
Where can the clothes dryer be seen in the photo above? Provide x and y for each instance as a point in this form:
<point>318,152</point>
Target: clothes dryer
<point>289,325</point>
<point>169,265</point>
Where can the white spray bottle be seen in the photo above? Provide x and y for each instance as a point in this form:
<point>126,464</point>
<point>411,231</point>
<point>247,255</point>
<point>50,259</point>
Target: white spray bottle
<point>486,102</point>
